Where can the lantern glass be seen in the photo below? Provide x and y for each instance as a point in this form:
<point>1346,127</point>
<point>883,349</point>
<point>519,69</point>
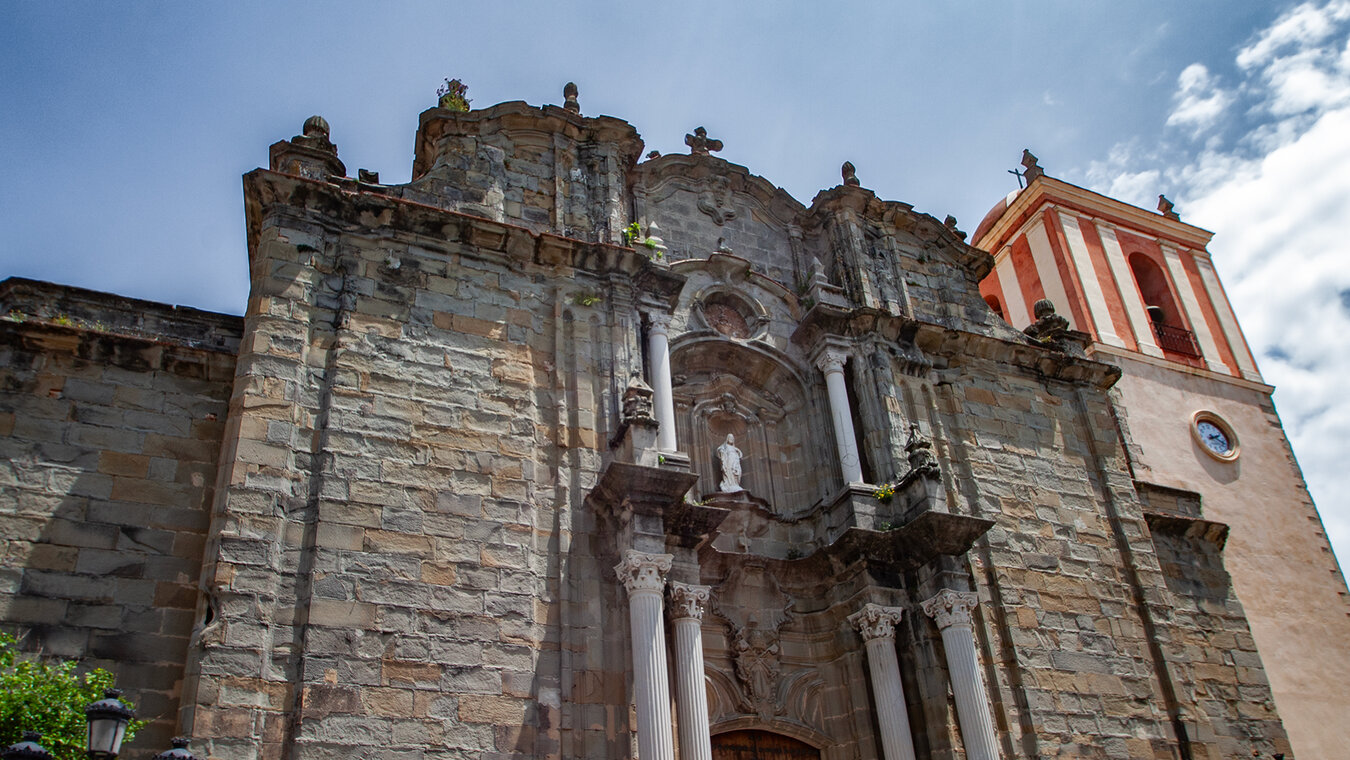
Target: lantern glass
<point>105,735</point>
<point>107,720</point>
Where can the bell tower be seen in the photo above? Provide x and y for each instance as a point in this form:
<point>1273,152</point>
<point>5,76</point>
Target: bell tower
<point>1227,508</point>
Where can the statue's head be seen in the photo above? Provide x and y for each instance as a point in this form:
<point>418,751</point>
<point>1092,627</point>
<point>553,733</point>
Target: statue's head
<point>731,438</point>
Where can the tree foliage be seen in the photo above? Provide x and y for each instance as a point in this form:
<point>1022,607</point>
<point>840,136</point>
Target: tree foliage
<point>48,698</point>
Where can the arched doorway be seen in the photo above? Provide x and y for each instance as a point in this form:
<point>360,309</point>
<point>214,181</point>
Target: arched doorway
<point>760,745</point>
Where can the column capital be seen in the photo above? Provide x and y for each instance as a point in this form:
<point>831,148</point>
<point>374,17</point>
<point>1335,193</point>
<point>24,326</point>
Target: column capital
<point>687,600</point>
<point>643,572</point>
<point>831,360</point>
<point>874,621</point>
<point>660,322</point>
<point>949,608</point>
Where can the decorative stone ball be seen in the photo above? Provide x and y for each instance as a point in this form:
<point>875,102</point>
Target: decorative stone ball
<point>315,126</point>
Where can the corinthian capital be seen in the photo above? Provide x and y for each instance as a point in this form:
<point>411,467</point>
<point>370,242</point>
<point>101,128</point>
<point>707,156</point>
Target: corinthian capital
<point>643,572</point>
<point>687,600</point>
<point>949,608</point>
<point>876,622</point>
<point>831,360</point>
<point>660,322</point>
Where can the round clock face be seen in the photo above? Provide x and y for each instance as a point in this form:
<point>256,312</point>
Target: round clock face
<point>1214,438</point>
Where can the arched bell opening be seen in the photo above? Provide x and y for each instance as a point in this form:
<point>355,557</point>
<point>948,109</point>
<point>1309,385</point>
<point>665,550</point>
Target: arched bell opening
<point>725,387</point>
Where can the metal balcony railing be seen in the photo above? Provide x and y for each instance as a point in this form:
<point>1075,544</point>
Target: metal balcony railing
<point>1177,340</point>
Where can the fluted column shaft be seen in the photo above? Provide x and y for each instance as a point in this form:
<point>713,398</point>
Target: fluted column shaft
<point>951,610</point>
<point>644,575</point>
<point>831,362</point>
<point>686,614</point>
<point>877,626</point>
<point>658,353</point>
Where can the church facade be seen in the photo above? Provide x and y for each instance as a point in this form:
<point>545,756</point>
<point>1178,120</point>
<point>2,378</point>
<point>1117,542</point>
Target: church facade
<point>555,451</point>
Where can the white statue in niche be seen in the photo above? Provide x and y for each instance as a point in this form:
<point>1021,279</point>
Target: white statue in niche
<point>729,457</point>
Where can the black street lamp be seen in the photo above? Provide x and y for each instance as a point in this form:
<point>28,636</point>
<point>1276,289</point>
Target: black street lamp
<point>179,751</point>
<point>107,719</point>
<point>27,749</point>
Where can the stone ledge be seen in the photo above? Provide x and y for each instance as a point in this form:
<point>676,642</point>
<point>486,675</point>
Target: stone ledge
<point>1192,527</point>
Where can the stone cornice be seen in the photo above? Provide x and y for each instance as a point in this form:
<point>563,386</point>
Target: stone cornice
<point>359,210</point>
<point>1046,190</point>
<point>934,340</point>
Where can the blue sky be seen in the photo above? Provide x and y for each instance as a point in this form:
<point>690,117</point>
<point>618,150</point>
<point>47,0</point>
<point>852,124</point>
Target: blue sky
<point>126,126</point>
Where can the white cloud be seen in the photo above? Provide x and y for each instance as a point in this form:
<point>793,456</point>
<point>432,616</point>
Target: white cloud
<point>1307,25</point>
<point>1199,100</point>
<point>1277,198</point>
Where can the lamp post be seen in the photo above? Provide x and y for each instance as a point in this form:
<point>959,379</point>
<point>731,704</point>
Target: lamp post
<point>179,751</point>
<point>107,719</point>
<point>26,749</point>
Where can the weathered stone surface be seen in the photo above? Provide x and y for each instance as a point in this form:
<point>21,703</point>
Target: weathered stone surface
<point>425,481</point>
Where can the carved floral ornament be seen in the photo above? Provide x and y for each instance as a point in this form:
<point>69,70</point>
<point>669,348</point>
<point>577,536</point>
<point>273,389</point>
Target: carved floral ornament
<point>949,608</point>
<point>640,572</point>
<point>874,621</point>
<point>688,600</point>
<point>831,360</point>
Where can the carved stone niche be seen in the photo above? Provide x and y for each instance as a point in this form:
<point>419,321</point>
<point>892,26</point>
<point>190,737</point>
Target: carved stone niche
<point>730,388</point>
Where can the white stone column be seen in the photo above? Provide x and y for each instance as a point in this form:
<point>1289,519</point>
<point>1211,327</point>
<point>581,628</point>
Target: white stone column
<point>691,703</point>
<point>951,610</point>
<point>831,362</point>
<point>658,353</point>
<point>644,575</point>
<point>877,626</point>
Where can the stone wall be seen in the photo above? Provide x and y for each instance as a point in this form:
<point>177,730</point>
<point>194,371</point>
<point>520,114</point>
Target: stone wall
<point>109,439</point>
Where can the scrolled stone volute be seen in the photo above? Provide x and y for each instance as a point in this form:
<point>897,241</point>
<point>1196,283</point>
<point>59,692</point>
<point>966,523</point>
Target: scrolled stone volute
<point>688,600</point>
<point>639,572</point>
<point>949,608</point>
<point>874,621</point>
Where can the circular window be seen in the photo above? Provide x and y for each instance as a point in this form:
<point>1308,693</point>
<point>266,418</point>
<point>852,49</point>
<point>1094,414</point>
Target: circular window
<point>1215,436</point>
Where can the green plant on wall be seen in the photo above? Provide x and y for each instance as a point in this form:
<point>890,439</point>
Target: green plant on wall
<point>49,698</point>
<point>453,95</point>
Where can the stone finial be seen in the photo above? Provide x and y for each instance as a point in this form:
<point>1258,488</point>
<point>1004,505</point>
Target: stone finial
<point>919,451</point>
<point>1049,326</point>
<point>850,174</point>
<point>699,143</point>
<point>315,126</point>
<point>1032,166</point>
<point>1165,207</point>
<point>637,402</point>
<point>314,135</point>
<point>570,97</point>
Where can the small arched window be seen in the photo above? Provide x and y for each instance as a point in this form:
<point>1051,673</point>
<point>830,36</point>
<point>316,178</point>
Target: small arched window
<point>1157,293</point>
<point>996,306</point>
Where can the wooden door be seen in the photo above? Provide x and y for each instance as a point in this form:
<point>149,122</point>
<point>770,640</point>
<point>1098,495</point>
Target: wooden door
<point>760,745</point>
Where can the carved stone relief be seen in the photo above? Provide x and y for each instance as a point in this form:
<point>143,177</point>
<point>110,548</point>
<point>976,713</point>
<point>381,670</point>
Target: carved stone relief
<point>755,609</point>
